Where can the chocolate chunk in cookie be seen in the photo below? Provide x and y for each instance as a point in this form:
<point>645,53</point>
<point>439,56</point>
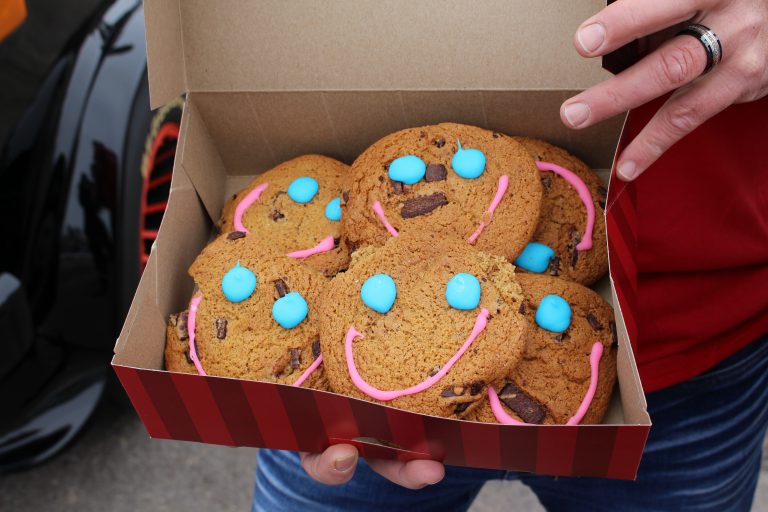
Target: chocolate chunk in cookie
<point>452,391</point>
<point>181,325</point>
<point>281,288</point>
<point>422,205</point>
<point>554,266</point>
<point>594,322</point>
<point>460,408</point>
<point>221,328</point>
<point>295,358</point>
<point>435,172</point>
<point>528,409</point>
<point>476,387</point>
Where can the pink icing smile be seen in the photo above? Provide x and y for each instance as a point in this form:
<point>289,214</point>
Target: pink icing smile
<point>325,245</point>
<point>362,385</point>
<point>500,191</point>
<point>246,203</point>
<point>191,329</point>
<point>586,198</point>
<point>314,366</point>
<point>594,363</point>
<point>383,218</point>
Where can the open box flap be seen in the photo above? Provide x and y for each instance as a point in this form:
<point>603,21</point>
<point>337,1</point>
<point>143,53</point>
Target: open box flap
<point>198,45</point>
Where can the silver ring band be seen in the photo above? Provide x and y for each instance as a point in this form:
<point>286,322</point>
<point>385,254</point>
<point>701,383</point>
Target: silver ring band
<point>709,41</point>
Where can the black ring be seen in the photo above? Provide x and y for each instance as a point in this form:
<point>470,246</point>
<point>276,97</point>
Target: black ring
<point>709,41</point>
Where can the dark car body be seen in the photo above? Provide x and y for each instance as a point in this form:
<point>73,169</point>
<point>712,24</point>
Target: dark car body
<point>69,176</point>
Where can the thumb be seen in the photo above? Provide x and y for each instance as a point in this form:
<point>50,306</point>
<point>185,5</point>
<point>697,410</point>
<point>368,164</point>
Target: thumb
<point>336,465</point>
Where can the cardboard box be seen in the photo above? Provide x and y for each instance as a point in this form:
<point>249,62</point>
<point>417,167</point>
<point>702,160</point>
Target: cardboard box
<point>269,81</point>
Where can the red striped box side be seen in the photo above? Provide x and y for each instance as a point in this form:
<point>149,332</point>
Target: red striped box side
<point>141,402</point>
<point>625,458</point>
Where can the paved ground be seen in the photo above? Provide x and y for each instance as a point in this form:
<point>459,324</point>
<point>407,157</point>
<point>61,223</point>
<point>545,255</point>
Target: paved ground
<point>115,467</point>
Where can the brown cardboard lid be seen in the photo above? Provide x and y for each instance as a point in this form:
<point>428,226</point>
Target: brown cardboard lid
<point>273,45</point>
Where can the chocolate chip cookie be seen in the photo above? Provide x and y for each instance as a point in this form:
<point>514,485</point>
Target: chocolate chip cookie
<point>574,255</point>
<point>253,316</point>
<point>295,208</point>
<point>552,382</point>
<point>422,323</point>
<point>458,181</point>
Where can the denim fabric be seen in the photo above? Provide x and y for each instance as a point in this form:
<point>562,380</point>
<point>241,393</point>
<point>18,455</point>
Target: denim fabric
<point>703,453</point>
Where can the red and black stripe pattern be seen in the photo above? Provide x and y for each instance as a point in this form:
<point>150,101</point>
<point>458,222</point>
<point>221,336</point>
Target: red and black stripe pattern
<point>231,412</point>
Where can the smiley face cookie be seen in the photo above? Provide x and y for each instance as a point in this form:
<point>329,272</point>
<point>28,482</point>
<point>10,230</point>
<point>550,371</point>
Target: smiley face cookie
<point>459,181</point>
<point>568,370</point>
<point>254,317</point>
<point>570,239</point>
<point>295,208</point>
<point>422,323</point>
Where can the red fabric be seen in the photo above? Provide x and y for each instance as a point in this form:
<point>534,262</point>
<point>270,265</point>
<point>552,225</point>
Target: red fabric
<point>702,246</point>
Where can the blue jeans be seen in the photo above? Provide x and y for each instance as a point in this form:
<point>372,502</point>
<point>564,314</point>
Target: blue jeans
<point>703,453</point>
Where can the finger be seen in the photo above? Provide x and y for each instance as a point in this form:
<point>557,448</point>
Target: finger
<point>626,20</point>
<point>334,466</point>
<point>673,65</point>
<point>412,475</point>
<point>685,110</point>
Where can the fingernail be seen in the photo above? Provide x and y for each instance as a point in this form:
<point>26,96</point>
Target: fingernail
<point>344,464</point>
<point>576,113</point>
<point>591,37</point>
<point>627,170</point>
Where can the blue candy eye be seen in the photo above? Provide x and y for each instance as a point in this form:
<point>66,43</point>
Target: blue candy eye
<point>303,190</point>
<point>238,283</point>
<point>535,257</point>
<point>553,313</point>
<point>378,292</point>
<point>333,209</point>
<point>407,169</point>
<point>290,310</point>
<point>468,163</point>
<point>463,291</point>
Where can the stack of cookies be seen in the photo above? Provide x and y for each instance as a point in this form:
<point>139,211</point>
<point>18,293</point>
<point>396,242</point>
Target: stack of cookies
<point>446,272</point>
